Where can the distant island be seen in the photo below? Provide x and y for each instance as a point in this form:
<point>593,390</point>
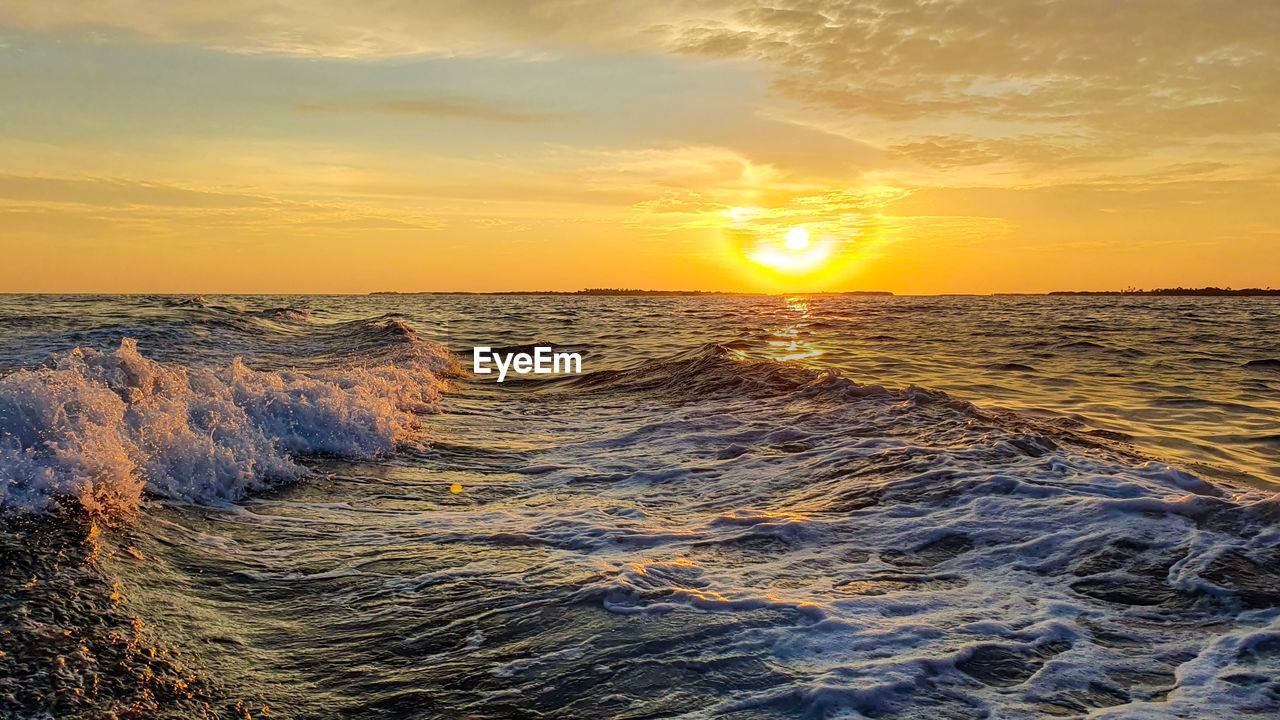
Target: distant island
<point>1178,292</point>
<point>628,292</point>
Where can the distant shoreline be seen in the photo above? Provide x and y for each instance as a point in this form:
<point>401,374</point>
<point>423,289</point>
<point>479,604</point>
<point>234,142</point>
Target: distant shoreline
<point>623,292</point>
<point>1176,292</point>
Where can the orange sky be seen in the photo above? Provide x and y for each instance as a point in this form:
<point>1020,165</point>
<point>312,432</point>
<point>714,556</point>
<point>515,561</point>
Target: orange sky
<point>952,146</point>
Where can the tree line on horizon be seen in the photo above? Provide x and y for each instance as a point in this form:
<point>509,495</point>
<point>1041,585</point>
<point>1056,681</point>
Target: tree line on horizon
<point>1176,291</point>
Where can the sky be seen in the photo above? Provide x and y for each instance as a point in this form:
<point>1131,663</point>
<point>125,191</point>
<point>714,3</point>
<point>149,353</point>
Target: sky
<point>940,146</point>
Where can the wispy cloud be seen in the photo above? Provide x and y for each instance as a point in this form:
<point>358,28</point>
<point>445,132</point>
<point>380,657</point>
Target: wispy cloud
<point>129,203</point>
<point>455,108</point>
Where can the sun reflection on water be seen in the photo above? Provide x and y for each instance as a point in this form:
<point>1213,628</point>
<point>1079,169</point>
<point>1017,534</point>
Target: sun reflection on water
<point>790,341</point>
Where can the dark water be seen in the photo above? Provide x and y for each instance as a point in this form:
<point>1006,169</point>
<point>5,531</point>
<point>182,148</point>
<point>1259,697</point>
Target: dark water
<point>745,507</point>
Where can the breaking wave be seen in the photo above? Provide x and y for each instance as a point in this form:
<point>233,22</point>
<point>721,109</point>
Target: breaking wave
<point>102,429</point>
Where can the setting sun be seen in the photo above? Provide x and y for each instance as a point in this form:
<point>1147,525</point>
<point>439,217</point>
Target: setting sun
<point>772,250</point>
<point>797,238</point>
<point>796,256</point>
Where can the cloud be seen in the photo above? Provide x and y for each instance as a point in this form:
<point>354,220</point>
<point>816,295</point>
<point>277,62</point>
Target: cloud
<point>457,108</point>
<point>681,202</point>
<point>33,202</point>
<point>1140,74</point>
<point>846,215</point>
<point>332,28</point>
<point>1040,151</point>
<point>1142,68</point>
<point>115,192</point>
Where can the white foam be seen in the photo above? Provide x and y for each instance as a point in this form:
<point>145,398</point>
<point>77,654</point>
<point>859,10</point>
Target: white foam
<point>102,427</point>
<point>821,548</point>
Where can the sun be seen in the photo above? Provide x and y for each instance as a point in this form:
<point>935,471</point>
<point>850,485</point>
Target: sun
<point>797,238</point>
<point>795,253</point>
<point>791,256</point>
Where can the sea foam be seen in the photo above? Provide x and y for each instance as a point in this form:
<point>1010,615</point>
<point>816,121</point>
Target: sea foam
<point>103,428</point>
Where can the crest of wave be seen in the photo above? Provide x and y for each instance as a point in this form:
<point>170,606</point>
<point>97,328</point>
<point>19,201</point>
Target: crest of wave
<point>100,428</point>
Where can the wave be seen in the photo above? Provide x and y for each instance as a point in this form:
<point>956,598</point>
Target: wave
<point>897,549</point>
<point>103,429</point>
<point>715,371</point>
<point>710,371</point>
<point>1011,367</point>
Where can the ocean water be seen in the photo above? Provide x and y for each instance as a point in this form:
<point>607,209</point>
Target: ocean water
<point>745,507</point>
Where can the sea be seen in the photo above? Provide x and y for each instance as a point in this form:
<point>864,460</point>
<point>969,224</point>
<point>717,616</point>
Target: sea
<point>744,507</point>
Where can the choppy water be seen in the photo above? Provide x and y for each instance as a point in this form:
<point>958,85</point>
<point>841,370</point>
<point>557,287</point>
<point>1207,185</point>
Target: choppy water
<point>745,508</point>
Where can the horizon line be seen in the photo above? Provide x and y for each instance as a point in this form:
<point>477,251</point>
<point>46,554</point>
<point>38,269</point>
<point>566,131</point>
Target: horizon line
<point>1208,291</point>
